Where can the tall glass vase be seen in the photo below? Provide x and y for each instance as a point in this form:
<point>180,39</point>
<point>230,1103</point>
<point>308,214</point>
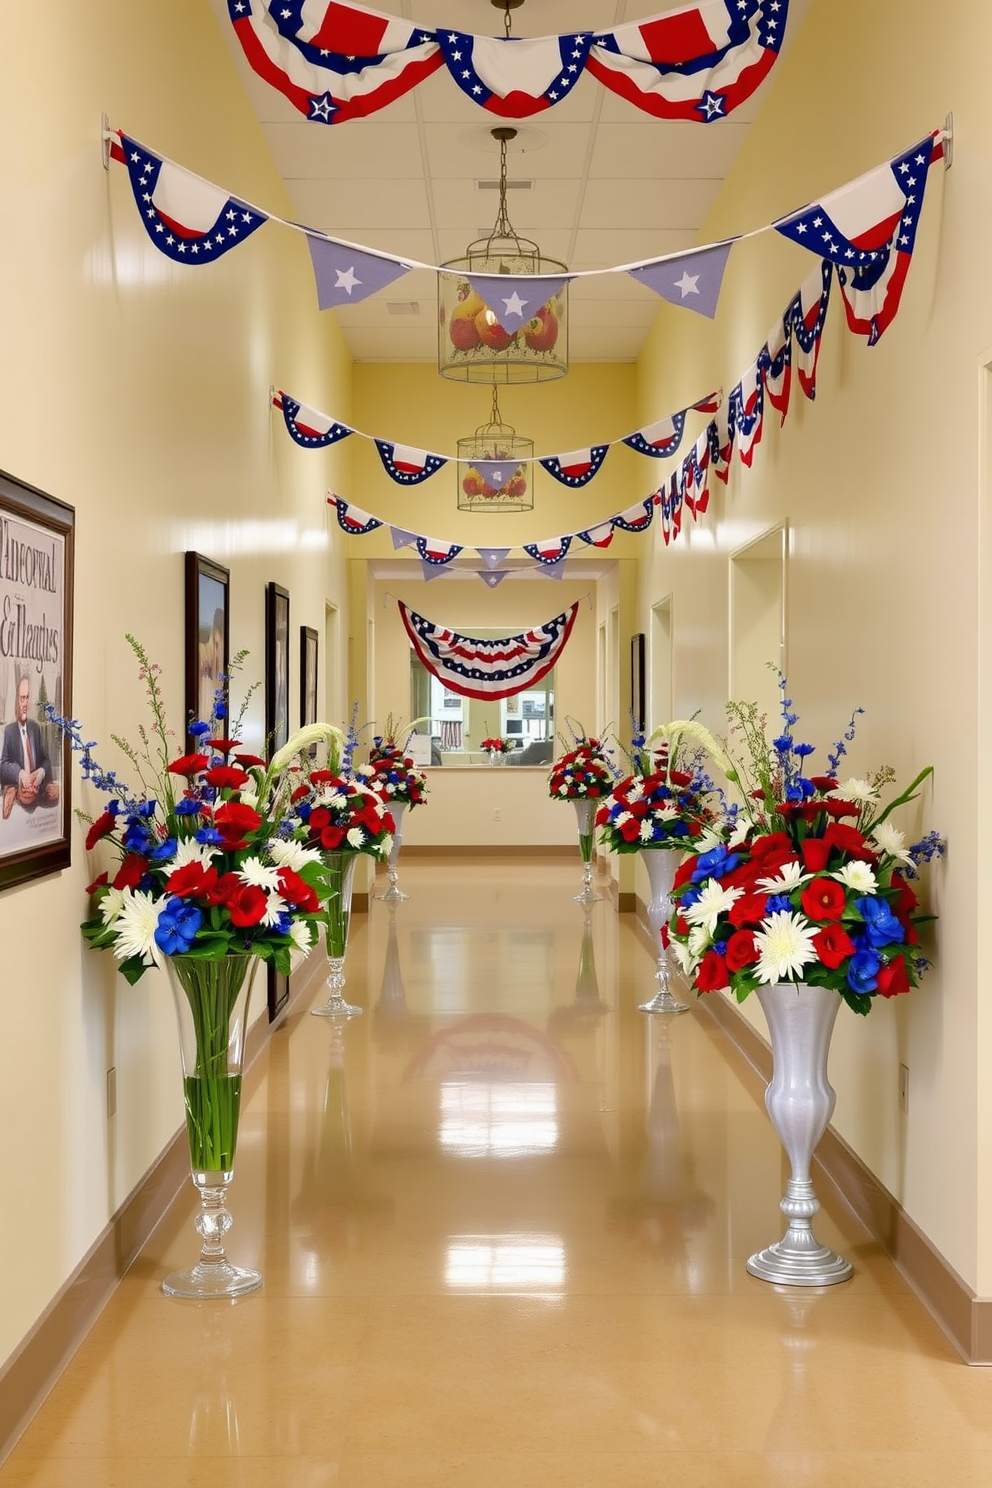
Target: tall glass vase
<point>394,894</point>
<point>661,863</point>
<point>211,998</point>
<point>800,1101</point>
<point>340,871</point>
<point>585,812</point>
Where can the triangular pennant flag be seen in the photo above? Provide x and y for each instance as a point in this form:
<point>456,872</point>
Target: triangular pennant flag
<point>492,557</point>
<point>306,426</point>
<point>402,539</point>
<point>187,218</point>
<point>517,299</point>
<point>496,474</point>
<point>431,571</point>
<point>490,579</point>
<point>692,279</point>
<point>553,570</point>
<point>577,467</point>
<point>346,275</point>
<point>407,466</point>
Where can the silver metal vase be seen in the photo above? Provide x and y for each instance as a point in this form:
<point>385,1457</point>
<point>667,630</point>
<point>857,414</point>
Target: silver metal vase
<point>661,863</point>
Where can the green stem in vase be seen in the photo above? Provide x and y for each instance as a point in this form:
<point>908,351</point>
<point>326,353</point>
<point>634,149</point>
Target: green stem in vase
<point>212,1089</point>
<point>338,909</point>
<point>585,846</point>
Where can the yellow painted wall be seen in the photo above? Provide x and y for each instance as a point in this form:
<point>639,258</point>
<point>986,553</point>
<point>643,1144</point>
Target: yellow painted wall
<point>136,391</point>
<point>879,484</point>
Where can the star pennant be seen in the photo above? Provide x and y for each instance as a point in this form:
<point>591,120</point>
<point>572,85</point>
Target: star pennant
<point>516,299</point>
<point>187,218</point>
<point>692,280</point>
<point>346,276</point>
<point>659,439</point>
<point>492,557</point>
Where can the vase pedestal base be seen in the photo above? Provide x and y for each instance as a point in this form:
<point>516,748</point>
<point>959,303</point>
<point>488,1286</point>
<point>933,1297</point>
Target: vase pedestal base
<point>663,1001</point>
<point>207,1280</point>
<point>335,1006</point>
<point>798,1259</point>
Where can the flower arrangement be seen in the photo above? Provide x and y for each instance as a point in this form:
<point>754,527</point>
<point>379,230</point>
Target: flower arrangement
<point>495,745</point>
<point>669,800</point>
<point>582,772</point>
<point>813,884</point>
<point>333,813</point>
<point>392,774</point>
<point>207,862</point>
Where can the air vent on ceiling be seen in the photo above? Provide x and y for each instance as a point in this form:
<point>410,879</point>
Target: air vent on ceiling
<point>403,307</point>
<point>510,185</point>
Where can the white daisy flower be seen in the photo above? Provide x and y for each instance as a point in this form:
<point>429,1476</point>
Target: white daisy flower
<point>698,941</point>
<point>620,818</point>
<point>668,812</point>
<point>711,904</point>
<point>888,839</point>
<point>274,907</point>
<point>191,851</point>
<point>385,846</point>
<point>687,961</point>
<point>645,832</point>
<point>635,790</point>
<point>789,876</point>
<point>289,854</point>
<point>859,791</point>
<point>857,876</point>
<point>786,946</point>
<point>709,838</point>
<point>248,798</point>
<point>563,788</point>
<point>135,928</point>
<point>111,904</point>
<point>739,833</point>
<point>299,934</point>
<point>254,871</point>
<point>356,837</point>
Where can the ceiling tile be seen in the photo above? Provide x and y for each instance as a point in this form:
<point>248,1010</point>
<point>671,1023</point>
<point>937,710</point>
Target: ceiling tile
<point>642,148</point>
<point>671,205</point>
<point>303,150</point>
<point>347,208</point>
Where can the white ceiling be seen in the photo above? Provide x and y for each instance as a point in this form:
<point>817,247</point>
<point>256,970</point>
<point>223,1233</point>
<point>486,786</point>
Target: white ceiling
<point>610,184</point>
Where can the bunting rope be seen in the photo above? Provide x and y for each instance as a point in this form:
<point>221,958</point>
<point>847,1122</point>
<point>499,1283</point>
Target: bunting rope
<point>336,62</point>
<point>867,228</point>
<point>488,670</point>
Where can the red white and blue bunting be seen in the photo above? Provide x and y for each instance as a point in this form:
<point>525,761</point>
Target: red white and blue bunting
<point>488,669</point>
<point>336,62</point>
<point>866,228</point>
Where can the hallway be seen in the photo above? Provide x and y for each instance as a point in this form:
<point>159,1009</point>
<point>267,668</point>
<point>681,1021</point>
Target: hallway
<point>503,1219</point>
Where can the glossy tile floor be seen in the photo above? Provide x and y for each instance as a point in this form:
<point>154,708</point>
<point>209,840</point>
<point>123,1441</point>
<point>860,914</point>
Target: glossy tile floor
<point>503,1219</point>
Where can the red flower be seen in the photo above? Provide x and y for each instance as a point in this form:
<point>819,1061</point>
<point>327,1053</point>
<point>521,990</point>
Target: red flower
<point>222,889</point>
<point>388,821</point>
<point>841,808</point>
<point>772,844</point>
<point>321,777</point>
<point>849,840</point>
<point>102,827</point>
<point>189,764</point>
<point>250,761</point>
<point>683,873</point>
<point>816,853</point>
<point>234,821</point>
<point>223,746</point>
<point>132,870</point>
<point>823,783</point>
<point>748,910</point>
<point>742,950</point>
<point>823,899</point>
<point>906,901</point>
<point>711,973</point>
<point>893,978</point>
<point>297,892</point>
<point>833,945</point>
<point>226,777</point>
<point>247,905</point>
<point>630,830</point>
<point>98,883</point>
<point>191,881</point>
<point>331,838</point>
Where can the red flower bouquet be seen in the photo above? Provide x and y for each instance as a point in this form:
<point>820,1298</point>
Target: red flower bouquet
<point>393,775</point>
<point>582,773</point>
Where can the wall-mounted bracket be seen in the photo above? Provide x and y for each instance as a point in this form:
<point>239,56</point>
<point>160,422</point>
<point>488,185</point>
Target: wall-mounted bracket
<point>106,139</point>
<point>948,137</point>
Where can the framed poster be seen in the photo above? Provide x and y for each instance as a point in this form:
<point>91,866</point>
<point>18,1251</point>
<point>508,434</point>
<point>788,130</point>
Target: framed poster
<point>36,558</point>
<point>276,666</point>
<point>637,682</point>
<point>277,992</point>
<point>208,649</point>
<point>308,675</point>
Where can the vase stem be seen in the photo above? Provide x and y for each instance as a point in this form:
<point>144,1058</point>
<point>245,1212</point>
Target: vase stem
<point>800,1102</point>
<point>585,810</point>
<point>660,864</point>
<point>394,894</point>
<point>340,868</point>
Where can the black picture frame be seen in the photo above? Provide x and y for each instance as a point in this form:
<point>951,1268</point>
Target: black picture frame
<point>638,698</point>
<point>276,666</point>
<point>208,634</point>
<point>308,675</point>
<point>277,992</point>
<point>37,535</point>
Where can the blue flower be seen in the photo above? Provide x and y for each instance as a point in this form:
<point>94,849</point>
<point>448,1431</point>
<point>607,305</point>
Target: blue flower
<point>177,928</point>
<point>198,729</point>
<point>164,850</point>
<point>778,904</point>
<point>881,926</point>
<point>690,896</point>
<point>208,835</point>
<point>283,923</point>
<point>783,744</point>
<point>862,972</point>
<point>714,864</point>
<point>188,806</point>
<point>803,750</point>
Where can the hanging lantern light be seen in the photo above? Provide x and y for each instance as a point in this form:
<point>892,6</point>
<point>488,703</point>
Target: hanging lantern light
<point>473,345</point>
<point>495,473</point>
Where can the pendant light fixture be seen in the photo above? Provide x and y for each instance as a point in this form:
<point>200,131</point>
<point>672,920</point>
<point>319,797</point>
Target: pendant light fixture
<point>473,344</point>
<point>494,469</point>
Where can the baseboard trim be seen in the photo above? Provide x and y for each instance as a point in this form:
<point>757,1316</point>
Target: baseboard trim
<point>41,1356</point>
<point>964,1317</point>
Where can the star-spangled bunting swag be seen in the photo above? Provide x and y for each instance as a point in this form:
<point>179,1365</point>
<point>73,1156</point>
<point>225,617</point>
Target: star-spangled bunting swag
<point>187,218</point>
<point>488,669</point>
<point>409,466</point>
<point>336,62</point>
<point>735,427</point>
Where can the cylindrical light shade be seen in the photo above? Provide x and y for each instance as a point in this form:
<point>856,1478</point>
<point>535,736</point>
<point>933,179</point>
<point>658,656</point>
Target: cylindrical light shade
<point>493,470</point>
<point>473,346</point>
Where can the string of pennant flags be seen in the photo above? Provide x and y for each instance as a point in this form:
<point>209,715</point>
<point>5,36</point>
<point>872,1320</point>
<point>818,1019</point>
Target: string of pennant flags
<point>335,62</point>
<point>866,228</point>
<point>409,466</point>
<point>793,343</point>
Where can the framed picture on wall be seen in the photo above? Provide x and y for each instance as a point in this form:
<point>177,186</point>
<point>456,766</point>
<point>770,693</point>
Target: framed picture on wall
<point>276,665</point>
<point>208,589</point>
<point>36,565</point>
<point>637,682</point>
<point>308,675</point>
